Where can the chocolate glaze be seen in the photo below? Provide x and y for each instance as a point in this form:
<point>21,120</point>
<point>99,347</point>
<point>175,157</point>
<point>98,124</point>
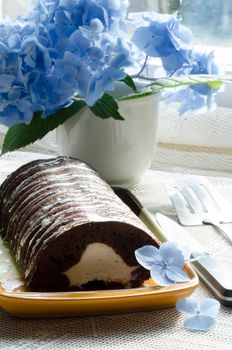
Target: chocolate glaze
<point>51,210</point>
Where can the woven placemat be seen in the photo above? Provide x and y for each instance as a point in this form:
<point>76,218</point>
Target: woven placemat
<point>159,329</point>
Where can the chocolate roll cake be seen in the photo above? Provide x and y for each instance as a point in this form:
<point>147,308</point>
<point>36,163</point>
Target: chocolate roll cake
<point>68,229</point>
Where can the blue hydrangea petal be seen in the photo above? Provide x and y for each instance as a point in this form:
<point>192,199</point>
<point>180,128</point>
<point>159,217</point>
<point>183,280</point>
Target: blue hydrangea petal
<point>142,38</point>
<point>94,11</point>
<point>191,101</point>
<point>24,106</point>
<point>68,4</point>
<point>196,105</point>
<point>90,32</point>
<point>12,64</point>
<point>171,254</point>
<point>78,43</point>
<point>14,41</point>
<point>184,39</point>
<point>200,97</point>
<point>209,307</point>
<point>29,60</point>
<point>158,274</point>
<point>177,95</point>
<point>9,116</point>
<point>188,306</point>
<point>104,81</point>
<point>64,25</point>
<point>14,94</point>
<point>176,274</point>
<point>175,61</point>
<point>163,36</point>
<point>204,64</point>
<point>6,81</point>
<point>95,53</point>
<point>199,323</point>
<point>147,256</point>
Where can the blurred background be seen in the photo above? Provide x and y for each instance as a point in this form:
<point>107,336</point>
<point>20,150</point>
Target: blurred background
<point>210,21</point>
<point>211,17</point>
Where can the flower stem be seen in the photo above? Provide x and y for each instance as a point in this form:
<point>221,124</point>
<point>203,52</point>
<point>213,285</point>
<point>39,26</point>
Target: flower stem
<point>138,75</point>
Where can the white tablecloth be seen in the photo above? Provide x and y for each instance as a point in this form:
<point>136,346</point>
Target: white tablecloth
<point>159,329</point>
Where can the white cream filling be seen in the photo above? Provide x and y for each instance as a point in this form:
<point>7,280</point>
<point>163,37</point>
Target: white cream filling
<point>99,262</point>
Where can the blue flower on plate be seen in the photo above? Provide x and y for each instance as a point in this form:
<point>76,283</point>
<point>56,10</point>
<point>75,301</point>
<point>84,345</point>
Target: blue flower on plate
<point>165,264</point>
<point>202,314</point>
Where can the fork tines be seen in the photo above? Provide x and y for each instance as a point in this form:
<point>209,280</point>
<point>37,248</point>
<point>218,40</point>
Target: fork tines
<point>196,201</point>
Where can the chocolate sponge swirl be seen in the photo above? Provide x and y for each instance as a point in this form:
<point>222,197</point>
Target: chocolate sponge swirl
<point>58,214</point>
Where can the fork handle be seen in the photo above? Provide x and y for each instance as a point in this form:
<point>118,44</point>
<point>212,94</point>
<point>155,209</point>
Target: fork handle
<point>221,228</point>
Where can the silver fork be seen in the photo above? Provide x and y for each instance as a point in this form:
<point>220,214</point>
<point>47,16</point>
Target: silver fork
<point>197,202</point>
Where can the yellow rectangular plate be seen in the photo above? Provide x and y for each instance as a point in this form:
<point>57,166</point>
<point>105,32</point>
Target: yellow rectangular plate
<point>16,299</point>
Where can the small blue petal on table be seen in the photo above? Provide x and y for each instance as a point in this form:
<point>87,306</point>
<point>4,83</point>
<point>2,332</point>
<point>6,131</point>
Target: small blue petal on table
<point>187,305</point>
<point>202,315</point>
<point>199,323</point>
<point>209,307</point>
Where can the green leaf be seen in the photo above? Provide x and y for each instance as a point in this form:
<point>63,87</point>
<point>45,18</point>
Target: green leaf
<point>167,83</point>
<point>212,81</point>
<point>106,107</point>
<point>21,135</point>
<point>129,82</point>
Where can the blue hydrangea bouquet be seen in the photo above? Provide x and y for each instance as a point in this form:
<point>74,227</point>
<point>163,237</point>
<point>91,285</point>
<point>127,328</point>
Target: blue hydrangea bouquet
<point>69,54</point>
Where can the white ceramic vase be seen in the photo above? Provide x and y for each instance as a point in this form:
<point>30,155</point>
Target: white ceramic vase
<point>121,151</point>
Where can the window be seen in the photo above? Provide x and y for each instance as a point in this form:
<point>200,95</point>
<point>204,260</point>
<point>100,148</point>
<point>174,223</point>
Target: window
<point>14,8</point>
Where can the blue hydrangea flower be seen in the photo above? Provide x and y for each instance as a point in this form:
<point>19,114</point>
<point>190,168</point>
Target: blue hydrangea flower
<point>6,81</point>
<point>200,97</point>
<point>163,36</point>
<point>203,63</point>
<point>165,264</point>
<point>202,314</point>
<point>35,55</point>
<point>62,49</point>
<point>66,48</point>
